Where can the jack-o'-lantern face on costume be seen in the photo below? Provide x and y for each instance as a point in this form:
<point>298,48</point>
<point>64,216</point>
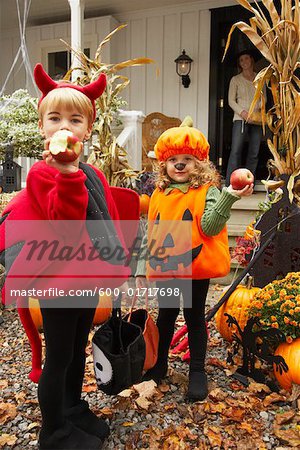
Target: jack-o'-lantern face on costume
<point>177,246</point>
<point>173,247</point>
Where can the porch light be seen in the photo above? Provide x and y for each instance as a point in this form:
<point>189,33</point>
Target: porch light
<point>183,68</point>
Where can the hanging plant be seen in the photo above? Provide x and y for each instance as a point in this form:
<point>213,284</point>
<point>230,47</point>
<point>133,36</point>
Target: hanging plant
<point>274,31</point>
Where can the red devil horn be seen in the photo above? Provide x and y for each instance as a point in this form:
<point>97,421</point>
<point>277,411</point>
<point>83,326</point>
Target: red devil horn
<point>95,89</point>
<point>42,79</point>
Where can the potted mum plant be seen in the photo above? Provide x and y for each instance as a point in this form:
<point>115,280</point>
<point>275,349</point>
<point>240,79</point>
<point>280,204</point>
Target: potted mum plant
<point>277,305</point>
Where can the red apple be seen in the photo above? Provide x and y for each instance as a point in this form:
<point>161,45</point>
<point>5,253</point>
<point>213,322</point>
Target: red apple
<point>65,146</point>
<point>241,178</point>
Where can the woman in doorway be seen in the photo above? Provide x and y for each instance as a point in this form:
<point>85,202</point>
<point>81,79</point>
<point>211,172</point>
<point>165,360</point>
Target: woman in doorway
<point>240,96</point>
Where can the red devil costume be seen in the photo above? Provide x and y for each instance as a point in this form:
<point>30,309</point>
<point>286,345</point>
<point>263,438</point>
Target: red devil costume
<point>50,195</point>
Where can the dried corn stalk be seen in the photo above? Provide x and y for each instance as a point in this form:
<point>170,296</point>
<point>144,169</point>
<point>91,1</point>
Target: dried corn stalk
<point>107,154</point>
<point>275,32</point>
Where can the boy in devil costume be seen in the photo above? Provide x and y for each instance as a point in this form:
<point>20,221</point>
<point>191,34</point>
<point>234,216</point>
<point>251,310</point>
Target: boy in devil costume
<point>57,191</point>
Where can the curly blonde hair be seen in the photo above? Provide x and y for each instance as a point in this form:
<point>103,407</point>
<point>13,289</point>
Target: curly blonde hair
<point>204,173</point>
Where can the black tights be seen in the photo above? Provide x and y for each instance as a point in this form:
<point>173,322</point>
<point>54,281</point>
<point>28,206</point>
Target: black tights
<point>194,296</point>
<point>66,333</point>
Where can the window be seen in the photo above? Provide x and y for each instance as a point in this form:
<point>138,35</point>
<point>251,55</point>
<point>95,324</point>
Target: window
<point>60,62</point>
<point>10,180</point>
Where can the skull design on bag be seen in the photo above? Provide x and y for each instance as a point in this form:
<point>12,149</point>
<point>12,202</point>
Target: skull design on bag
<point>103,368</point>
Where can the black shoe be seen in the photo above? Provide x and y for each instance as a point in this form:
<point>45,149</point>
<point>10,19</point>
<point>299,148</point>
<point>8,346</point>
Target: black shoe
<point>157,373</point>
<point>82,417</point>
<point>68,437</point>
<point>198,388</point>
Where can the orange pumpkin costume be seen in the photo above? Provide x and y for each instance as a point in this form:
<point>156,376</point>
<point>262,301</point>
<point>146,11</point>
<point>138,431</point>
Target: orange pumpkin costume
<point>212,255</point>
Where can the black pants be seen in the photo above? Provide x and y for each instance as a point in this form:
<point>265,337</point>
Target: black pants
<point>194,294</point>
<point>66,333</point>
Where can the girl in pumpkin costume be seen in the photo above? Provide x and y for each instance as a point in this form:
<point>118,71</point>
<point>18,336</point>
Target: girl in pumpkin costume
<point>188,244</point>
<point>55,194</point>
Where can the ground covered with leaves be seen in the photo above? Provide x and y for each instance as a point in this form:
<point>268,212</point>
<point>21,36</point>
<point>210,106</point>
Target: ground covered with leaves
<point>234,416</point>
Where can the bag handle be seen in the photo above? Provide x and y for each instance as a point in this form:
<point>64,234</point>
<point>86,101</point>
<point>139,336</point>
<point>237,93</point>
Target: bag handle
<point>117,314</point>
<point>134,299</point>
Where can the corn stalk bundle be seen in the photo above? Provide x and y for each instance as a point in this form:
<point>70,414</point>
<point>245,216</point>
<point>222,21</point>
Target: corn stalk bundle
<point>275,33</point>
<point>106,154</point>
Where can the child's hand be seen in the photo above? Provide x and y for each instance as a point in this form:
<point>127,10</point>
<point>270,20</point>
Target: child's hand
<point>245,192</point>
<point>141,282</point>
<point>67,167</point>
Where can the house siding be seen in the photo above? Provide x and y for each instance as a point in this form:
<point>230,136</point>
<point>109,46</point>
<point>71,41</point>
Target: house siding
<point>159,33</point>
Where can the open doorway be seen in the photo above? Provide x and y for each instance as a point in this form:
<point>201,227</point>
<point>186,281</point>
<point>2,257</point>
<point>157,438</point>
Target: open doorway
<point>220,113</point>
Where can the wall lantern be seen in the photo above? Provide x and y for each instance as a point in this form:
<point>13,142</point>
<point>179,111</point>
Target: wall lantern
<point>183,68</point>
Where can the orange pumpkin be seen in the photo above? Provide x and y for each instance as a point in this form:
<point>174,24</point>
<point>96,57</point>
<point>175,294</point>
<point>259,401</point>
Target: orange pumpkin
<point>35,312</point>
<point>291,354</point>
<point>237,306</point>
<point>103,310</point>
<point>144,203</point>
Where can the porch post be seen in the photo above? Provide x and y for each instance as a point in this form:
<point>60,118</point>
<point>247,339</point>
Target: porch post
<point>77,10</point>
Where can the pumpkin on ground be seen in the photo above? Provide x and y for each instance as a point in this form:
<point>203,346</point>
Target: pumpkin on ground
<point>144,203</point>
<point>102,312</point>
<point>237,306</point>
<point>291,354</point>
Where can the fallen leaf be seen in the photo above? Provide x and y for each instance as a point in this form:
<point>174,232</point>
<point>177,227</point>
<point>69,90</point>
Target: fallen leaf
<point>7,412</point>
<point>143,403</point>
<point>89,388</point>
<point>146,388</point>
<point>284,417</point>
<point>236,414</point>
<point>214,435</point>
<point>246,426</point>
<point>214,408</point>
<point>217,395</point>
<point>7,439</point>
<point>217,362</point>
<point>125,393</point>
<point>273,398</point>
<point>170,406</point>
<point>290,436</point>
<point>127,424</point>
<point>295,394</point>
<point>108,412</point>
<point>178,378</point>
<point>3,384</point>
<point>258,387</point>
<point>33,425</point>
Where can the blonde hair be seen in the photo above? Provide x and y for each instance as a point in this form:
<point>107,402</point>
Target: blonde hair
<point>68,98</point>
<point>204,173</point>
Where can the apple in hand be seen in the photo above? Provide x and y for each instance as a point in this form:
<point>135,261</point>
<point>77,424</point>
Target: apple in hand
<point>241,178</point>
<point>65,146</point>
